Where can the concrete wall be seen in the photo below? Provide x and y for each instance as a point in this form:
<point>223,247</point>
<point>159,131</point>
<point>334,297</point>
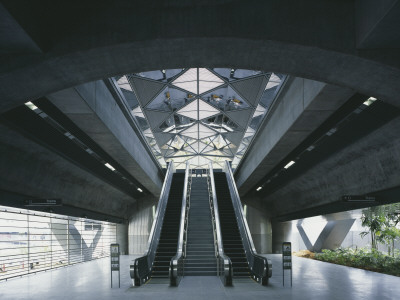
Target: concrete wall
<point>369,165</point>
<point>139,226</point>
<point>30,169</point>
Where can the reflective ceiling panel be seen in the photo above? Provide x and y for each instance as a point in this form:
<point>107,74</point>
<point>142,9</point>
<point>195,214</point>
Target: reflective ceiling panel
<point>198,115</point>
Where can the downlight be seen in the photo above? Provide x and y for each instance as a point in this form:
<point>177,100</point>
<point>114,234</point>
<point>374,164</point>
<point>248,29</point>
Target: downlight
<point>289,164</point>
<point>109,166</point>
<point>31,106</point>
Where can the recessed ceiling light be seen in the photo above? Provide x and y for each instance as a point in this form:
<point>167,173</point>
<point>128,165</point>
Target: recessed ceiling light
<point>370,101</point>
<point>289,164</point>
<point>140,190</point>
<point>332,131</point>
<point>109,166</point>
<point>31,105</point>
<point>310,148</point>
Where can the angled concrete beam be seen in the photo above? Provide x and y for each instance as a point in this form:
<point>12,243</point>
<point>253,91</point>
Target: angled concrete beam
<point>301,107</point>
<point>93,109</point>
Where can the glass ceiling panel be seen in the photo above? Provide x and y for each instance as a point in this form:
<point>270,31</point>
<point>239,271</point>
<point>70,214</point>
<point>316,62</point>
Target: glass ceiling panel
<point>208,80</point>
<point>225,99</point>
<point>187,81</point>
<point>195,114</point>
<point>170,99</point>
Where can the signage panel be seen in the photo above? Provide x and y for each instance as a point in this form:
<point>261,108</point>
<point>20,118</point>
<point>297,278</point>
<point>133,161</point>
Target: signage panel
<point>43,202</point>
<point>115,261</point>
<point>287,260</point>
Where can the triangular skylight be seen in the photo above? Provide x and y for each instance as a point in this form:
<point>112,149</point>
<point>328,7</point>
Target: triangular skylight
<point>198,110</point>
<point>198,115</point>
<point>197,80</point>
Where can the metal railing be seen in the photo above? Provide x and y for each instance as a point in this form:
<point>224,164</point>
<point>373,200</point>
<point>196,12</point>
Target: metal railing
<point>224,264</point>
<point>260,267</point>
<point>177,264</point>
<point>140,270</point>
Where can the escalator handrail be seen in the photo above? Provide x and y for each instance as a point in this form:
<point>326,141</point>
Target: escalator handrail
<point>176,264</point>
<point>142,265</point>
<point>227,272</point>
<point>258,264</point>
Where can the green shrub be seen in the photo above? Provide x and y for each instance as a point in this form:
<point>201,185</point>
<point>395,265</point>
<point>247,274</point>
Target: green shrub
<point>368,259</point>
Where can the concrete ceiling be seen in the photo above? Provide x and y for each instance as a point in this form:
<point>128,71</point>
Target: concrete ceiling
<point>49,46</point>
<point>351,46</point>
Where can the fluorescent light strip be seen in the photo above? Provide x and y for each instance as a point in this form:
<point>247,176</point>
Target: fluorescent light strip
<point>140,190</point>
<point>289,164</point>
<point>30,105</point>
<point>259,188</point>
<point>370,101</point>
<point>109,166</point>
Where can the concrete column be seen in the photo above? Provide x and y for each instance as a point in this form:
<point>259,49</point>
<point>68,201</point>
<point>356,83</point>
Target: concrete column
<point>122,238</point>
<point>259,225</point>
<point>331,236</point>
<point>281,232</point>
<point>140,224</point>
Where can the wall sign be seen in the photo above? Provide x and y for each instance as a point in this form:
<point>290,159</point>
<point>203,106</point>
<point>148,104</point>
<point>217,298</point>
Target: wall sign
<point>287,260</point>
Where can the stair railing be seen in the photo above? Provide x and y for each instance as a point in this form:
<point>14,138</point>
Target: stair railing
<point>260,267</point>
<point>177,264</point>
<point>140,270</point>
<point>224,264</point>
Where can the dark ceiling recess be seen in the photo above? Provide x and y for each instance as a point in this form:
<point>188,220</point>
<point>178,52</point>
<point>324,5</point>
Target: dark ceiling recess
<point>350,123</point>
<point>55,131</point>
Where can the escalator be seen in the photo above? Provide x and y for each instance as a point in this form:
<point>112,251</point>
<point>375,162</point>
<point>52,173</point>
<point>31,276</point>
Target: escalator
<point>200,250</point>
<point>236,237</point>
<point>232,241</point>
<point>164,235</point>
<point>170,229</point>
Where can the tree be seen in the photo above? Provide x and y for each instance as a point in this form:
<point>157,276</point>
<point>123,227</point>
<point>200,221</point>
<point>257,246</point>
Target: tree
<point>372,218</point>
<point>382,223</point>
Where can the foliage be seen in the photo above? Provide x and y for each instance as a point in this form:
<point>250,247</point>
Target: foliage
<point>382,222</point>
<point>368,259</point>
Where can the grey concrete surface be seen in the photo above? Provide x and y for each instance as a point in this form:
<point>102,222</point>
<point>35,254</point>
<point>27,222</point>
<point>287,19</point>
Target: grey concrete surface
<point>259,223</point>
<point>139,226</point>
<point>368,165</point>
<point>30,169</point>
<point>309,38</point>
<point>311,280</point>
<point>301,107</point>
<point>93,109</point>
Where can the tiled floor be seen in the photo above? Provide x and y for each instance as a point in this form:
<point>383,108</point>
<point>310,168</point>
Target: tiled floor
<point>311,280</point>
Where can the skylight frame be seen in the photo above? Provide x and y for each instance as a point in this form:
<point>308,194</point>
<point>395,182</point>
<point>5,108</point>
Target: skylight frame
<point>241,139</point>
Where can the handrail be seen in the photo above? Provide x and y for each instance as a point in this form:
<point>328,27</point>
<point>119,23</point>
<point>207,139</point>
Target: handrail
<point>177,264</point>
<point>224,264</point>
<point>140,270</point>
<point>261,267</point>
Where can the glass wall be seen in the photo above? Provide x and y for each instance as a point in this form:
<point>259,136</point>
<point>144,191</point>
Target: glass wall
<point>32,241</point>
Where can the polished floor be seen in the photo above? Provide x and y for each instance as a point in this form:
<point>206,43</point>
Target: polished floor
<point>311,280</point>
